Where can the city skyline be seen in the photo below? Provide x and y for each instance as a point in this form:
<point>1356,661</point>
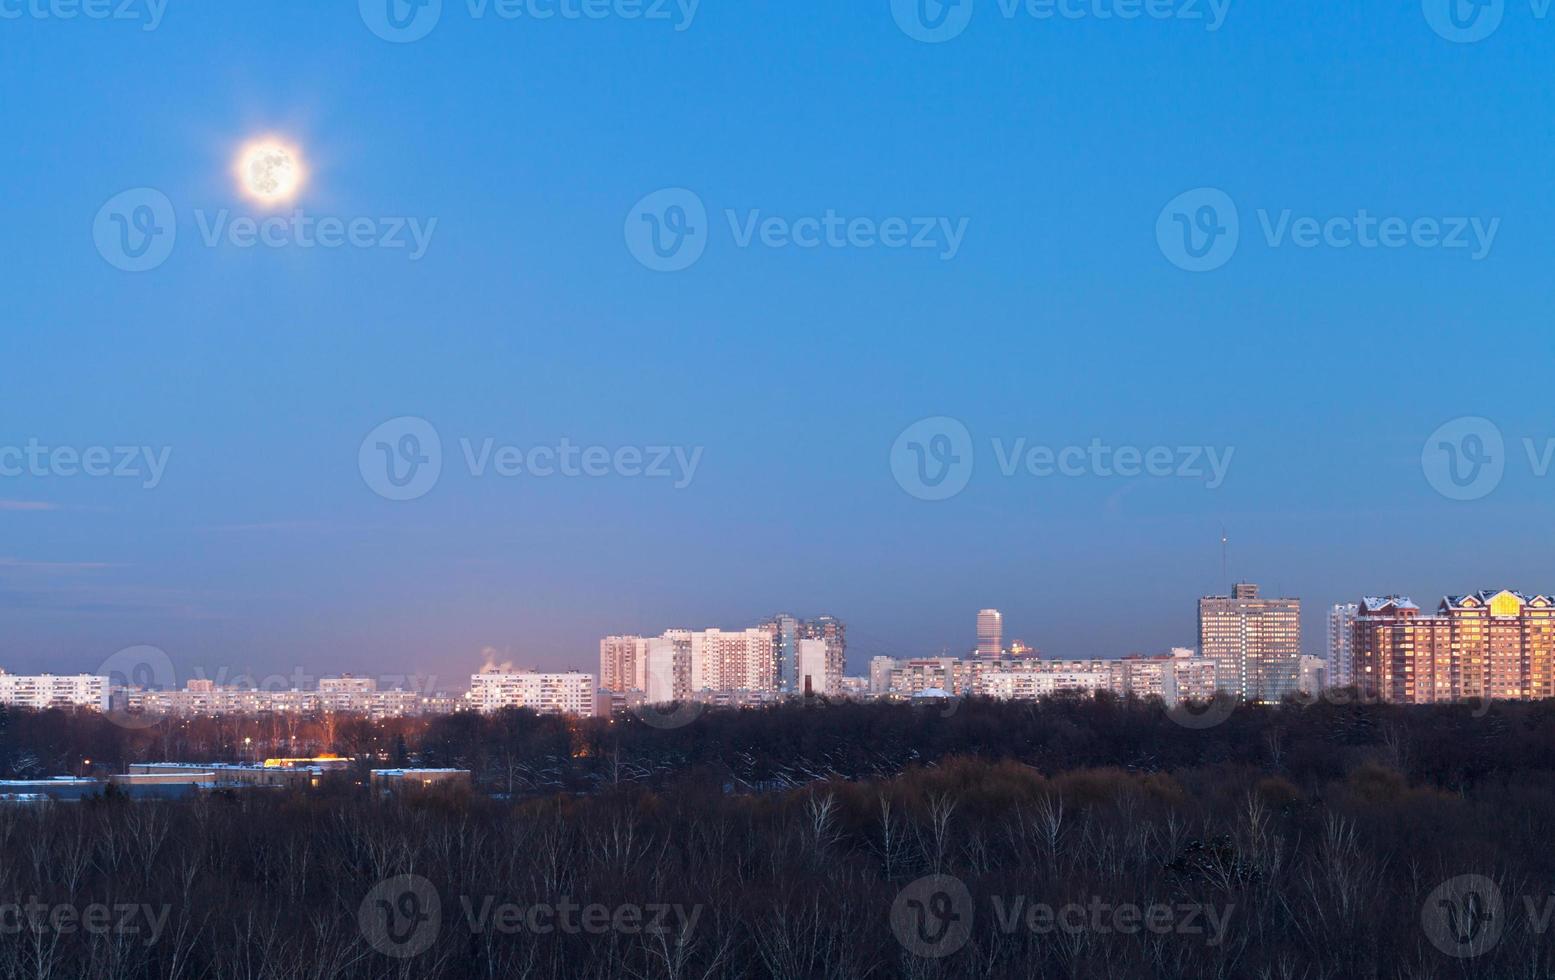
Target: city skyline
<point>1315,630</point>
<point>253,375</point>
<point>651,488</point>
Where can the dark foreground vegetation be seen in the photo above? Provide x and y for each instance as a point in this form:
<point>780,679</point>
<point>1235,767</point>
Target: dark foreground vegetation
<point>1093,839</point>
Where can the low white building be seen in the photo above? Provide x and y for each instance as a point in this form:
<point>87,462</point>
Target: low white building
<point>567,693</point>
<point>1030,685</point>
<point>54,690</point>
<point>351,695</point>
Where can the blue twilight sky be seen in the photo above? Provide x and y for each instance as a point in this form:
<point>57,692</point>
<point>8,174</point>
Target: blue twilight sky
<point>529,320</point>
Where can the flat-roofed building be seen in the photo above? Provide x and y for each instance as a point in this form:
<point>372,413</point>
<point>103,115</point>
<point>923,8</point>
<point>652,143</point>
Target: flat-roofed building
<point>41,691</point>
<point>399,780</point>
<point>1254,641</point>
<point>566,693</point>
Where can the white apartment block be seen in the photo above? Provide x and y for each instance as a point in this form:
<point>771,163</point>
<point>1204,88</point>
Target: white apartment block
<point>910,677</point>
<point>1028,685</point>
<point>42,691</point>
<point>682,663</point>
<point>1172,678</point>
<point>880,669</point>
<point>568,693</point>
<point>205,698</point>
<point>665,674</point>
<point>733,661</point>
<point>815,674</point>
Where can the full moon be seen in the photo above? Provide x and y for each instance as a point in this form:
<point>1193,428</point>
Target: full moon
<point>269,172</point>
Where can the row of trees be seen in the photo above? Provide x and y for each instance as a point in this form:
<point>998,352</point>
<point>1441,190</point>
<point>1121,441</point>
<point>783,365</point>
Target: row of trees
<point>884,841</point>
<point>519,752</point>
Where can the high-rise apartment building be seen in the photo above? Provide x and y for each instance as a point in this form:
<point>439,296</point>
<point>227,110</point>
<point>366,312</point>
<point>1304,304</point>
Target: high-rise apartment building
<point>1487,644</point>
<point>766,660</point>
<point>990,633</point>
<point>785,648</point>
<point>831,630</point>
<point>733,661</point>
<point>622,663</point>
<point>1341,644</point>
<point>1254,642</point>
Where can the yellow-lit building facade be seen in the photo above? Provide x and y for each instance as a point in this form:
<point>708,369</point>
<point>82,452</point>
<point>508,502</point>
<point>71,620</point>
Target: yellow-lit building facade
<point>1489,644</point>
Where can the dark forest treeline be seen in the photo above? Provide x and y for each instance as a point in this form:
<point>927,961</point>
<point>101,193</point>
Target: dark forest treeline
<point>1452,746</point>
<point>1318,835</point>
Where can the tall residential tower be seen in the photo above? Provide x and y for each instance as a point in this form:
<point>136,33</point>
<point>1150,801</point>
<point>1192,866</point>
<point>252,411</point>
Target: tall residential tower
<point>1255,643</point>
<point>990,633</point>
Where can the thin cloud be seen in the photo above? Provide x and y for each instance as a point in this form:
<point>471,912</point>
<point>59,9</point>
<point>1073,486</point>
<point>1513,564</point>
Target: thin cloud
<point>18,506</point>
<point>19,564</point>
<point>266,526</point>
